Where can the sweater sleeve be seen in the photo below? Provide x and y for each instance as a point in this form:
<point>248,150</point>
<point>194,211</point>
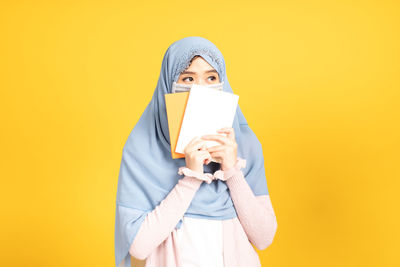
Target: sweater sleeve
<point>255,213</point>
<point>161,221</point>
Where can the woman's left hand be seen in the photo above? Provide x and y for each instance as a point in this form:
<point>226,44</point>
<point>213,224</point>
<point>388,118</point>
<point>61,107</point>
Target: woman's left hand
<point>227,152</point>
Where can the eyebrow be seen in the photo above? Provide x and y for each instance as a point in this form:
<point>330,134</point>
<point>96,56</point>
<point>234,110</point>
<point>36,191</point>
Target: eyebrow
<point>191,72</point>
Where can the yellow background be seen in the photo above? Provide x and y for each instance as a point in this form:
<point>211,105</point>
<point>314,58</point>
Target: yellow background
<point>318,83</point>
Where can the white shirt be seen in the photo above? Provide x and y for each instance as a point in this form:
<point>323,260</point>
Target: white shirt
<point>201,242</point>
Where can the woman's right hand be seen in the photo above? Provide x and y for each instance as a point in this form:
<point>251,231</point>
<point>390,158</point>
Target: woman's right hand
<point>196,154</point>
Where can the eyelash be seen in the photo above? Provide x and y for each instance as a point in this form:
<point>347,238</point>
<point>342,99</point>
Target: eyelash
<point>184,79</point>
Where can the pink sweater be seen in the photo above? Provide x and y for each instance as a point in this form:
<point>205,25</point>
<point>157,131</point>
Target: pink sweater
<point>156,240</point>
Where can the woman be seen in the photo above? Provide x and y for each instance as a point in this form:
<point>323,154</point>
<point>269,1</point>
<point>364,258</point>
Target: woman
<point>214,213</point>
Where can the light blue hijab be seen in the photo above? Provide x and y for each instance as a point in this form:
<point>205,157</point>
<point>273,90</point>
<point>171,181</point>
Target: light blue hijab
<point>147,171</point>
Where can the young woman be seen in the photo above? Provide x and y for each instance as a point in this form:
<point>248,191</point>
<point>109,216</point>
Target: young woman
<point>212,215</point>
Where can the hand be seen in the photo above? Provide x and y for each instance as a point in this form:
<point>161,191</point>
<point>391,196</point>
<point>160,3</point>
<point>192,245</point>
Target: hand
<point>196,155</point>
<point>227,152</point>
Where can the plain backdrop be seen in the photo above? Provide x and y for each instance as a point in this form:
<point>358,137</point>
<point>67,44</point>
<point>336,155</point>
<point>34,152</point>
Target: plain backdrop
<point>318,83</point>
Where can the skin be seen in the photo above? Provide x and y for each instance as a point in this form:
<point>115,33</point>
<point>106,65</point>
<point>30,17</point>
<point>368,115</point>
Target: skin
<point>196,152</point>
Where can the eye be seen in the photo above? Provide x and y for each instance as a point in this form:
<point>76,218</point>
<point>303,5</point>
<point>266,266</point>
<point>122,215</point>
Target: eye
<point>184,79</point>
<point>213,78</point>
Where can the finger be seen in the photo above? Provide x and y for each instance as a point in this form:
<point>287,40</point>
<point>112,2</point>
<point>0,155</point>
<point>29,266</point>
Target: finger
<point>229,131</point>
<point>192,141</point>
<point>203,155</point>
<point>195,145</point>
<point>219,138</point>
<point>215,148</point>
<point>218,154</point>
<point>198,145</point>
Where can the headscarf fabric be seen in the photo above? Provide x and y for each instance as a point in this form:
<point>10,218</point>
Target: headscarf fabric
<point>148,173</point>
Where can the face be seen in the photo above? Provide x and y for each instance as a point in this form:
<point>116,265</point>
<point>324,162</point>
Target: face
<point>199,72</point>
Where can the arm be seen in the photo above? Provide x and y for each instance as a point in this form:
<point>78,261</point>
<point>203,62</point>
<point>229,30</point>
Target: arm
<point>255,213</point>
<point>160,222</point>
